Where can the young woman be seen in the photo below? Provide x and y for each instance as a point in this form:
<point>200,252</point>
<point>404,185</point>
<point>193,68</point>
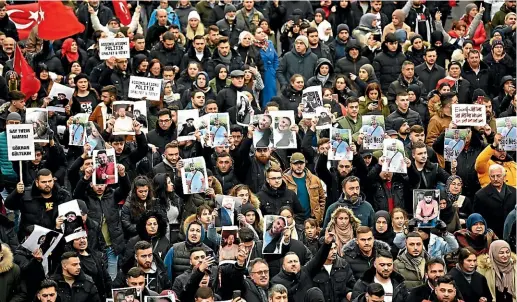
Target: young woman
<point>221,81</point>
<point>251,218</point>
<point>499,268</point>
<point>291,95</point>
<point>472,285</point>
<point>70,54</point>
<point>416,50</point>
<point>270,34</point>
<point>383,230</point>
<point>85,98</point>
<point>399,219</point>
<point>365,77</point>
<point>373,102</point>
<point>140,65</point>
<point>194,27</point>
<point>270,59</point>
<point>167,200</point>
<point>344,224</point>
<point>342,87</point>
<point>253,81</point>
<point>140,200</point>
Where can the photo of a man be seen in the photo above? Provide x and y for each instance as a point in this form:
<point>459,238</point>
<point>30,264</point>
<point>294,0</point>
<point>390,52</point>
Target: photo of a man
<point>123,123</point>
<point>427,208</point>
<point>262,134</point>
<point>105,172</point>
<point>218,132</point>
<point>273,234</point>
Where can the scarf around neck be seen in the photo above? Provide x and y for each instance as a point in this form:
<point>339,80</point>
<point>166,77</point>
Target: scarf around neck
<point>467,275</point>
<point>342,236</point>
<point>504,272</point>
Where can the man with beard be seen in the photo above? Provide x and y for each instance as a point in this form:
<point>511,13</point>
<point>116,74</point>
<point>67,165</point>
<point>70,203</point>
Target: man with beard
<point>427,210</point>
<point>201,275</point>
<point>382,272</point>
<point>105,171</point>
<point>93,265</point>
<point>445,290</point>
<point>434,269</point>
<point>492,155</point>
<point>402,127</point>
<point>352,199</point>
<point>307,186</point>
<point>47,291</point>
<point>224,171</point>
<point>155,272</point>
<point>37,204</point>
<point>335,278</point>
<point>171,156</point>
<point>411,263</point>
<point>73,284</point>
<point>227,26</point>
<point>168,51</point>
<point>317,47</point>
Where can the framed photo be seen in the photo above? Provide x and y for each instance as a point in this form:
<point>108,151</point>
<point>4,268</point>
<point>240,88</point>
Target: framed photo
<point>105,167</point>
<point>274,227</point>
<point>426,207</point>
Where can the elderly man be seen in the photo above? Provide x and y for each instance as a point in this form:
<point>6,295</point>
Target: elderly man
<point>493,155</point>
<point>496,200</point>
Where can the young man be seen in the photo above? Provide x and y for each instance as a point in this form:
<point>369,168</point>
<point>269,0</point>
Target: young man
<point>434,269</point>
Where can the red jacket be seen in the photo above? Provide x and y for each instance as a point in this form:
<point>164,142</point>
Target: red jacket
<point>479,35</point>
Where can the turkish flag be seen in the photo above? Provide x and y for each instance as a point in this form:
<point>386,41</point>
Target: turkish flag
<point>57,21</point>
<point>25,17</point>
<point>29,83</point>
<point>122,12</point>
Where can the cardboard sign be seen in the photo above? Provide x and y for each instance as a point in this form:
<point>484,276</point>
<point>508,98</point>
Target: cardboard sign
<point>114,47</point>
<point>468,115</point>
<point>20,142</point>
<point>140,87</point>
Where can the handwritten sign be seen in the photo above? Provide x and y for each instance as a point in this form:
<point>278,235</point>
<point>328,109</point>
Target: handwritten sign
<point>140,87</point>
<point>468,115</point>
<point>20,142</point>
<point>114,47</point>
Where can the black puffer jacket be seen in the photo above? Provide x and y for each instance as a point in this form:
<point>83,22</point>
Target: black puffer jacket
<point>120,79</point>
<point>101,278</point>
<point>359,263</point>
<point>190,56</point>
<point>347,64</point>
<point>236,63</point>
<point>338,283</point>
<point>33,208</point>
<point>387,65</point>
<point>159,137</point>
<point>400,292</point>
<point>168,57</point>
<point>130,156</point>
<point>379,193</point>
<point>130,220</point>
<point>30,268</point>
<point>401,85</point>
<point>314,81</point>
<point>290,98</point>
<point>411,116</point>
<point>481,79</point>
<point>227,98</point>
<point>106,207</point>
<point>83,289</point>
<point>272,200</point>
<point>497,70</point>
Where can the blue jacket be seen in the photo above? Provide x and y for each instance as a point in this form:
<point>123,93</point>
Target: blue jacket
<point>171,17</point>
<point>362,209</point>
<point>508,224</point>
<point>438,246</point>
<point>5,165</point>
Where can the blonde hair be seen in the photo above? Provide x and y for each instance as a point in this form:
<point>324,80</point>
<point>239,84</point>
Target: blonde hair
<point>353,220</point>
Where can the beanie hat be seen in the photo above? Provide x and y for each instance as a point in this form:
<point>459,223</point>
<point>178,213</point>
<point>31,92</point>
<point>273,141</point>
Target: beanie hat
<point>229,8</point>
<point>401,35</point>
<point>341,27</point>
<point>194,15</point>
<point>303,39</point>
<point>497,42</point>
<point>414,37</point>
<point>469,7</point>
<point>398,122</point>
<point>80,76</point>
<point>400,15</point>
<point>114,19</point>
<point>390,38</point>
<point>369,69</point>
<point>475,218</point>
<point>477,93</point>
<point>14,116</point>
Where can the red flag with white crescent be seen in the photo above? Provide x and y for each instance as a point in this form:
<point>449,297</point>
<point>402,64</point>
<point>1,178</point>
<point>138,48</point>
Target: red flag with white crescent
<point>122,12</point>
<point>25,17</point>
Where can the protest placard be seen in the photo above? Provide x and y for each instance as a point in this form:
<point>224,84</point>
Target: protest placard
<point>454,143</point>
<point>140,87</point>
<point>61,91</point>
<point>468,115</point>
<point>42,238</point>
<point>507,126</point>
<point>394,154</point>
<point>114,47</point>
<point>193,175</point>
<point>340,142</point>
<point>20,142</point>
<point>311,99</point>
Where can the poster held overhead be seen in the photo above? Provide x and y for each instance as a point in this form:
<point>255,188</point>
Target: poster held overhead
<point>426,207</point>
<point>273,231</point>
<point>373,130</point>
<point>219,129</point>
<point>507,126</point>
<point>123,114</point>
<point>394,156</point>
<point>105,167</point>
<point>187,124</point>
<point>468,115</point>
<point>244,110</point>
<point>77,130</point>
<point>340,142</point>
<point>42,238</point>
<point>114,47</point>
<point>38,117</point>
<point>140,87</point>
<point>193,175</point>
<point>20,142</point>
<point>454,143</point>
<point>61,92</point>
<point>263,134</point>
<point>283,135</point>
<point>311,99</point>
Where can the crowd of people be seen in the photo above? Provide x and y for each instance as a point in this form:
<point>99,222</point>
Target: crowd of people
<point>345,230</point>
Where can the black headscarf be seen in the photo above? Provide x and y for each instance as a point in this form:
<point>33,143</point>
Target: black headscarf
<point>387,236</point>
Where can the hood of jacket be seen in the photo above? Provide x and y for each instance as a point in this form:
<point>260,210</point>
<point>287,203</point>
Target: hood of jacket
<point>385,49</point>
<point>137,60</point>
<point>314,294</point>
<point>186,225</point>
<point>322,61</point>
<point>162,224</point>
<point>6,264</point>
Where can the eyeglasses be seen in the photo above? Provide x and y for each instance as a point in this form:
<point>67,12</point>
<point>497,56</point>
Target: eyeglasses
<point>261,273</point>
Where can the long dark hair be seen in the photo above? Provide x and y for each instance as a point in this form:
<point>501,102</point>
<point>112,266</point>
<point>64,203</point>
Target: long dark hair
<point>136,205</point>
<point>166,199</point>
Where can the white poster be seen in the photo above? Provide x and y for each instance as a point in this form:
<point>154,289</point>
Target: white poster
<point>283,135</point>
<point>38,117</point>
<point>77,130</point>
<point>219,129</point>
<point>42,238</point>
<point>140,87</point>
<point>193,175</point>
<point>187,125</point>
<point>60,91</point>
<point>311,99</point>
<point>373,130</point>
<point>507,126</point>
<point>114,47</point>
<point>140,114</point>
<point>394,156</point>
<point>105,170</point>
<point>340,142</point>
<point>468,115</point>
<point>244,110</point>
<point>20,142</point>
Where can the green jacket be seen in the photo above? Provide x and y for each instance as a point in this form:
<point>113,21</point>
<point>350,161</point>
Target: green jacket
<point>499,16</point>
<point>213,86</point>
<point>347,123</point>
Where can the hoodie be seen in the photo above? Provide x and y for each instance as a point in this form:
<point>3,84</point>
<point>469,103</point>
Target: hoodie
<point>318,79</point>
<point>362,209</point>
<point>137,60</point>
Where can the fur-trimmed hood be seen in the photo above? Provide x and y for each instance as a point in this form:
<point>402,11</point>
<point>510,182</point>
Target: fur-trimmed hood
<point>6,264</point>
<point>407,46</point>
<point>162,224</point>
<point>484,262</point>
<point>187,222</point>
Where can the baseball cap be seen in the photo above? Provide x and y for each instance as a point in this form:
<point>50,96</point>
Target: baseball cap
<point>297,157</point>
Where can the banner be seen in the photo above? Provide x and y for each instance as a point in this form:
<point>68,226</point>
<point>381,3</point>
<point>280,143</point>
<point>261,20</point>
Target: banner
<point>20,142</point>
<point>114,47</point>
<point>140,87</point>
<point>468,115</point>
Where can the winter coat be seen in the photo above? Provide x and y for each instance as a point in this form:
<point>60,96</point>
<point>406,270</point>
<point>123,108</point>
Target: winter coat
<point>30,268</point>
<point>480,80</point>
<point>412,277</point>
<point>400,291</point>
<point>82,290</point>
<point>120,80</point>
<point>236,63</point>
<point>9,28</point>
<point>486,158</point>
<point>473,290</point>
<point>479,35</point>
<point>338,283</point>
<point>290,98</point>
<point>401,85</point>
<point>272,200</point>
<point>314,81</point>
<point>411,116</point>
<point>298,284</point>
<point>498,69</point>
<point>7,233</point>
<point>130,221</point>
<point>168,57</point>
<point>294,63</point>
<point>493,207</point>
<point>101,279</point>
<point>379,193</point>
<point>11,287</point>
<point>190,56</point>
<point>437,125</point>
<point>192,201</point>
<point>270,59</point>
<point>387,65</point>
<point>231,31</point>
<point>364,101</point>
<point>159,137</point>
<point>486,268</point>
<point>359,263</point>
<point>480,244</point>
<point>315,190</point>
<point>33,208</point>
<point>206,12</point>
<point>429,77</point>
<point>275,261</point>
<point>105,209</point>
<point>347,64</point>
<point>104,14</point>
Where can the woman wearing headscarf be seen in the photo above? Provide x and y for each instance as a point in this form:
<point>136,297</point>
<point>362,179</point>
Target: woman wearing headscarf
<point>397,22</point>
<point>221,80</point>
<point>344,224</point>
<point>343,88</point>
<point>367,24</point>
<point>415,51</point>
<point>384,231</point>
<point>365,77</point>
<point>325,33</point>
<point>448,203</point>
<point>500,269</point>
<point>200,83</point>
<point>477,235</point>
<point>270,58</point>
<point>70,53</point>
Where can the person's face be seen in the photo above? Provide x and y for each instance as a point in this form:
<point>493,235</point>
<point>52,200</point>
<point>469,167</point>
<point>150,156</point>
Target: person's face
<point>510,21</point>
<point>404,129</point>
<point>223,74</point>
<point>344,168</point>
<point>37,158</point>
<point>373,94</point>
<point>246,40</point>
<point>381,225</point>
<point>205,217</point>
<point>43,75</point>
<point>106,98</point>
<point>172,155</point>
<point>151,226</point>
<point>194,233</point>
<point>170,185</point>
<point>142,192</point>
<point>213,36</point>
<point>224,164</point>
<point>260,274</point>
<point>156,69</point>
<point>414,246</point>
<point>392,46</point>
<point>498,50</point>
<point>45,183</point>
<point>342,220</point>
<point>244,194</point>
<point>497,177</point>
<point>470,263</point>
<point>420,155</point>
<point>167,90</point>
<point>510,5</point>
<point>143,66</point>
<point>298,167</point>
<point>197,257</point>
<point>122,64</point>
<point>474,60</point>
<point>445,292</point>
<point>237,138</point>
<point>434,272</point>
<point>353,109</point>
<point>274,179</point>
<point>343,35</point>
<point>224,49</point>
<point>398,220</point>
<point>291,264</point>
<point>354,53</point>
<point>430,57</point>
<point>72,266</point>
<point>374,298</point>
<point>298,83</point>
<point>408,71</point>
<point>82,84</point>
<point>238,81</point>
<point>80,244</point>
<point>250,217</point>
<point>201,81</point>
<point>165,122</point>
<point>199,45</point>
<point>144,258</point>
<point>46,294</point>
<point>454,71</point>
<point>455,186</point>
<point>313,38</point>
<point>76,68</point>
<point>352,190</point>
<point>199,99</point>
<point>168,76</point>
<point>73,48</point>
<point>193,23</point>
<point>263,154</point>
<point>376,6</point>
<point>367,160</point>
<point>300,46</point>
<point>384,267</point>
<point>284,124</point>
<point>8,45</point>
<point>138,282</point>
<point>478,228</point>
<point>288,215</point>
<point>98,189</point>
<point>396,21</point>
<point>504,255</point>
<point>162,18</point>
